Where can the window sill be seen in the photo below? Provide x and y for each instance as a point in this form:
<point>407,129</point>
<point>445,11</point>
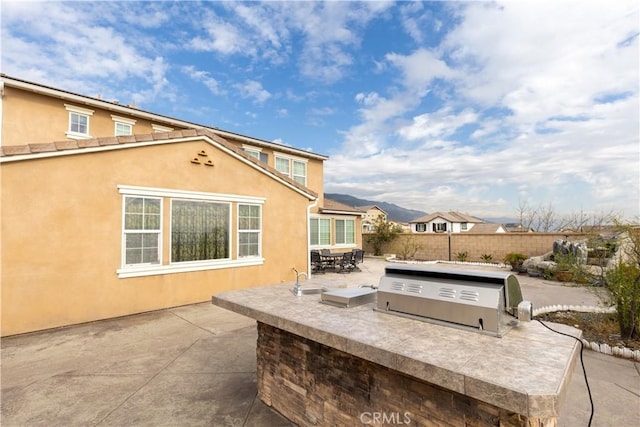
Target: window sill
<point>153,270</point>
<point>73,135</point>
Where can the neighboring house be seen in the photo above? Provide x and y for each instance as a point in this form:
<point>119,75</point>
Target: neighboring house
<point>109,210</point>
<point>452,222</point>
<point>372,214</point>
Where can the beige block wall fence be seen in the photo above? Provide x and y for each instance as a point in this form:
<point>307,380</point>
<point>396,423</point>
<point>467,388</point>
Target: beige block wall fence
<point>439,246</point>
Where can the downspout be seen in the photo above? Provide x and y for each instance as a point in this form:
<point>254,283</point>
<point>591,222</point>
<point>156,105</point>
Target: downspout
<point>311,206</point>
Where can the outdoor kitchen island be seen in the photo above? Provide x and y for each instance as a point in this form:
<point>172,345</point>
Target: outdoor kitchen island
<point>323,365</point>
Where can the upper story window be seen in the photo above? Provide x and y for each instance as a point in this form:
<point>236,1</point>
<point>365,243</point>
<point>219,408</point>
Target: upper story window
<point>440,227</point>
<point>463,226</point>
<point>123,126</point>
<point>421,227</point>
<point>295,168</point>
<point>256,152</point>
<point>78,122</point>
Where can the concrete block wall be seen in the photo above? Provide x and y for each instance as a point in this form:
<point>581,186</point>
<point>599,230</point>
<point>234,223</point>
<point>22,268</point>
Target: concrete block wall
<point>315,385</point>
<point>441,246</point>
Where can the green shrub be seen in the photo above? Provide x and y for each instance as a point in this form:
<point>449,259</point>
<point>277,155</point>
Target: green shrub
<point>462,256</point>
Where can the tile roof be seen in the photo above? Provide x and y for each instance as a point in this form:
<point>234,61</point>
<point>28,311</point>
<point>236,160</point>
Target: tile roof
<point>71,147</point>
<point>485,227</point>
<point>449,216</point>
<point>334,205</point>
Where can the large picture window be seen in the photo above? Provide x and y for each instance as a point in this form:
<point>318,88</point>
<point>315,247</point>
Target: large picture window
<point>320,231</point>
<point>199,231</point>
<point>249,230</point>
<point>142,230</point>
<point>169,231</point>
<point>345,232</point>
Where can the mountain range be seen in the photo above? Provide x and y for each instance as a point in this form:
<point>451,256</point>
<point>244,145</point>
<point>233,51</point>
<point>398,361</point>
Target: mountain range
<point>397,213</point>
<point>394,212</point>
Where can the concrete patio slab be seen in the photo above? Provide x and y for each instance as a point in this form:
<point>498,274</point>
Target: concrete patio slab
<point>195,365</point>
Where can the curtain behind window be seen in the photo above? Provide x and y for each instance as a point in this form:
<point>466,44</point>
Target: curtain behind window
<point>199,231</point>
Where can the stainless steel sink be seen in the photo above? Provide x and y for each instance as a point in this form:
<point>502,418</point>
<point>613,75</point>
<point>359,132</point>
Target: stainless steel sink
<point>309,290</point>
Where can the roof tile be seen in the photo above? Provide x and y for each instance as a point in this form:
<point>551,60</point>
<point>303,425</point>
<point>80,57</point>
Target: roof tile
<point>14,150</point>
<point>189,132</point>
<point>66,145</point>
<point>88,143</point>
<point>111,140</point>
<point>42,148</point>
<point>144,137</point>
<point>98,142</point>
<point>123,139</point>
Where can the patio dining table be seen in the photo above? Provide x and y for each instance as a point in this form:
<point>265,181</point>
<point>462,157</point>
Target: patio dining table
<point>331,259</point>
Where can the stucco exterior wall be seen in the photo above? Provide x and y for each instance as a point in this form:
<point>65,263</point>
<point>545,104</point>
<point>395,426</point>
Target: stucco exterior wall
<point>30,117</point>
<point>62,234</point>
<point>33,118</point>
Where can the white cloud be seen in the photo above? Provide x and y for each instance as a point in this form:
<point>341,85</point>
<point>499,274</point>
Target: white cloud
<point>530,78</point>
<point>66,45</point>
<point>203,77</point>
<point>254,90</point>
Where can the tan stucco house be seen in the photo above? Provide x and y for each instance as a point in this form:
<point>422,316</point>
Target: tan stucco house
<point>109,210</point>
<point>372,214</point>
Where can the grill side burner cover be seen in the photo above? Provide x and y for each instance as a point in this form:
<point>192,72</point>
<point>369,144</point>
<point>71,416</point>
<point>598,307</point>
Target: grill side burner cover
<point>482,301</point>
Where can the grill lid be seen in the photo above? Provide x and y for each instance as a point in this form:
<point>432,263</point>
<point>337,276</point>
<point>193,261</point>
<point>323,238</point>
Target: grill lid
<point>483,301</point>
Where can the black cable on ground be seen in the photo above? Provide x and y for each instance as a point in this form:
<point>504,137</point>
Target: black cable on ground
<point>584,371</point>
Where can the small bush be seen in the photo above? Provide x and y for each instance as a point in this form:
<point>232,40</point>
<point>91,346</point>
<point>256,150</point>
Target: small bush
<point>462,256</point>
<point>486,257</point>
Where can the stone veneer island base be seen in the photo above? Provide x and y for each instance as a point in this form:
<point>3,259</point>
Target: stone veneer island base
<point>319,365</point>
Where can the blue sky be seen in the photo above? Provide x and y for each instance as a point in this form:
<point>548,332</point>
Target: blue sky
<point>479,107</point>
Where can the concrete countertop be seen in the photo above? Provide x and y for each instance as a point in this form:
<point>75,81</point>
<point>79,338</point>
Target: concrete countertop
<point>526,371</point>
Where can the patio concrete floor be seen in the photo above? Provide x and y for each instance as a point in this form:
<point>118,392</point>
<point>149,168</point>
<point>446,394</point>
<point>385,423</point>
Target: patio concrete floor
<point>195,365</point>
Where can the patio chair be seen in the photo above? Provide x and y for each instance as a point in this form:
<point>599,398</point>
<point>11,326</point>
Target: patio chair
<point>358,258</point>
<point>317,265</point>
<point>346,263</point>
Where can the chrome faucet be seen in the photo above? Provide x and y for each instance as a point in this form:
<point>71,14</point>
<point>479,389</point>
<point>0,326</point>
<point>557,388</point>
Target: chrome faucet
<point>297,290</point>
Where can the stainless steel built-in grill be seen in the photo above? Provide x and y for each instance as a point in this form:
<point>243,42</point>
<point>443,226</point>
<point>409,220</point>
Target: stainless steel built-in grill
<point>487,302</point>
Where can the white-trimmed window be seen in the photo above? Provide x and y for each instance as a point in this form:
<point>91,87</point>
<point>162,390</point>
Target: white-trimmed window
<point>299,172</point>
<point>320,230</point>
<point>345,231</point>
<point>200,231</point>
<point>439,227</point>
<point>295,168</point>
<point>78,122</point>
<point>463,226</point>
<point>249,230</point>
<point>256,152</point>
<point>421,227</point>
<point>123,126</point>
<point>142,230</point>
